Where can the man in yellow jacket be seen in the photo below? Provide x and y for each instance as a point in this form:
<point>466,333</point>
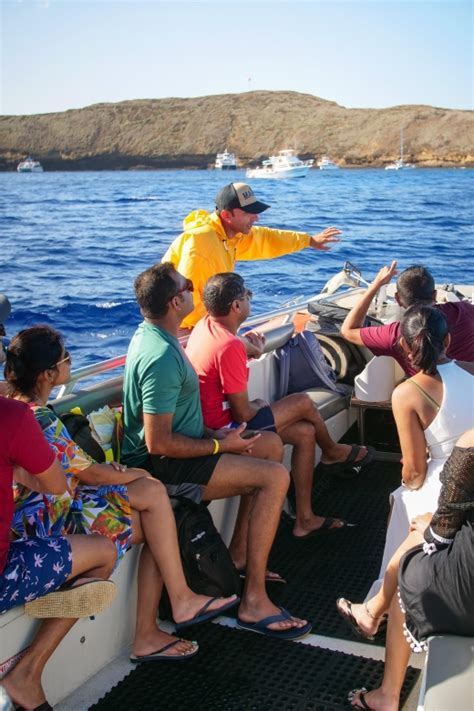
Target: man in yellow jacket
<point>211,244</point>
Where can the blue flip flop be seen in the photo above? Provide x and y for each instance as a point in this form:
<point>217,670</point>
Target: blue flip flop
<point>262,626</point>
<point>204,614</point>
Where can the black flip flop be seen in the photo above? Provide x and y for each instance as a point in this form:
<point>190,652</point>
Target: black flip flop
<point>326,527</point>
<point>362,692</point>
<point>160,656</point>
<point>349,468</point>
<point>348,617</point>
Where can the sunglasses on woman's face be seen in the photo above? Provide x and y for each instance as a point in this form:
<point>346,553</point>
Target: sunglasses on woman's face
<point>67,358</point>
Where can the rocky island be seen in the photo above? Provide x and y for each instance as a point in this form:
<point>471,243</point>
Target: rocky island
<point>187,133</point>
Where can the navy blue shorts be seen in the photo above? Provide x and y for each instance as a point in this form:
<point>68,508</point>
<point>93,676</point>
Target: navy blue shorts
<point>34,567</point>
<point>263,420</point>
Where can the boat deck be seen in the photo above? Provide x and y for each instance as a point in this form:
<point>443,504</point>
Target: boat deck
<point>237,670</point>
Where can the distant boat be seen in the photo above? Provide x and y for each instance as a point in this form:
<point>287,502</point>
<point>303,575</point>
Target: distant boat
<point>225,161</point>
<point>29,166</point>
<point>400,164</point>
<point>284,165</point>
<point>327,164</point>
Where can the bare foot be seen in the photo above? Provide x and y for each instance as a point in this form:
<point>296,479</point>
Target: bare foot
<point>365,622</point>
<point>23,689</point>
<point>270,575</point>
<point>376,699</point>
<point>249,613</point>
<point>157,639</point>
<point>307,525</point>
<point>184,610</point>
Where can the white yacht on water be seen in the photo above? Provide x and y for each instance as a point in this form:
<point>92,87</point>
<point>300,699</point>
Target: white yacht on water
<point>94,656</point>
<point>399,163</point>
<point>29,166</point>
<point>327,164</point>
<point>225,161</point>
<point>284,165</point>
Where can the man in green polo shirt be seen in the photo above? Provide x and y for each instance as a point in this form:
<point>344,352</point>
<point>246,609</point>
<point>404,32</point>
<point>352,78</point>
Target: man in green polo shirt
<point>165,433</point>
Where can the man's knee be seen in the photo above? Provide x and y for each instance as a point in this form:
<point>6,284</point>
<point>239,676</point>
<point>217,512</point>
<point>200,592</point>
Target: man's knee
<point>270,446</point>
<point>275,477</point>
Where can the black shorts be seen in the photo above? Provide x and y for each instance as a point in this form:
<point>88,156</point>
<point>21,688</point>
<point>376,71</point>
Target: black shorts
<point>184,477</point>
<point>263,420</point>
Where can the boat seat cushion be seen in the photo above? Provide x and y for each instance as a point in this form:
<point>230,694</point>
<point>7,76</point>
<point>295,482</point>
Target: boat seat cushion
<point>449,673</point>
<point>328,402</point>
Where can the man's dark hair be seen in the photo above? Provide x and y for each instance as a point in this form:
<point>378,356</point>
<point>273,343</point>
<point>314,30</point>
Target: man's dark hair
<point>220,291</point>
<point>154,288</point>
<point>415,285</point>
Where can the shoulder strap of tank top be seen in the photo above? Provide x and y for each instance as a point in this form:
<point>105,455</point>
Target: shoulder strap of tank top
<point>424,393</point>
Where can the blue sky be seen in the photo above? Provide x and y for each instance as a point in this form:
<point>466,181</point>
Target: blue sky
<point>63,54</point>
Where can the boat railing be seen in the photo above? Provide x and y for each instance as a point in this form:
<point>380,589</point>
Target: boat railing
<point>106,366</point>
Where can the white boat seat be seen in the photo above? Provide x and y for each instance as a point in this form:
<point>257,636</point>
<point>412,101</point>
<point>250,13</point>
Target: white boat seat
<point>328,402</point>
<point>448,681</point>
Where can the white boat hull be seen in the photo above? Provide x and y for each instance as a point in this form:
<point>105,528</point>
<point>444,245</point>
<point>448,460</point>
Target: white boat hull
<point>35,169</point>
<point>281,174</point>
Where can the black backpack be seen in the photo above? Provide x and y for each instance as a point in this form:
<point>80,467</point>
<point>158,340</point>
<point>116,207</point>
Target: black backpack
<point>207,565</point>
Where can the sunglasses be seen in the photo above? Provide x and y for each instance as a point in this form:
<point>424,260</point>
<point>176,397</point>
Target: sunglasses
<point>247,294</point>
<point>188,287</point>
<point>66,359</point>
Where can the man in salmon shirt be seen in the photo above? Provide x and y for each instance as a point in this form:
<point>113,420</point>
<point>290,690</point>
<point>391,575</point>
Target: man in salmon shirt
<point>220,361</point>
<point>415,285</point>
<point>212,243</point>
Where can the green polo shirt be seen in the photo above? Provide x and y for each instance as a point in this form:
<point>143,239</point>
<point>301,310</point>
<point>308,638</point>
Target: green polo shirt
<point>159,380</point>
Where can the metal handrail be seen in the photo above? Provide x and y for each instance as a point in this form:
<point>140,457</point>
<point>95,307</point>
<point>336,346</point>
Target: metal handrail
<point>119,361</point>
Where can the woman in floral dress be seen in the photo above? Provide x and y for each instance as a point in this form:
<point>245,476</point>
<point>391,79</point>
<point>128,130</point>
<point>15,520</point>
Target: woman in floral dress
<point>127,505</point>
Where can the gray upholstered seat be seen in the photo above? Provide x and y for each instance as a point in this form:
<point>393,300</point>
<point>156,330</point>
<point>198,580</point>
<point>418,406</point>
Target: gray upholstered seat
<point>328,402</point>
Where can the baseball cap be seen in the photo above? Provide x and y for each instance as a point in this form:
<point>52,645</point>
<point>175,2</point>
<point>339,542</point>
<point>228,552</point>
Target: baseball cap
<point>239,195</point>
<point>5,308</point>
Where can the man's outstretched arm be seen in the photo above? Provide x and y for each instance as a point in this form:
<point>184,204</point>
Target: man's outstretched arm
<point>354,320</point>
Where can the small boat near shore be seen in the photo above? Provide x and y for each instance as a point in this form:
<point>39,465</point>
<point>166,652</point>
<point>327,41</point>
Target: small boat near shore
<point>327,164</point>
<point>284,165</point>
<point>29,165</point>
<point>225,161</point>
<point>400,164</point>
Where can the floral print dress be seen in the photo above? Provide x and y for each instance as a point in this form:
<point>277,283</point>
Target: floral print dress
<point>83,508</point>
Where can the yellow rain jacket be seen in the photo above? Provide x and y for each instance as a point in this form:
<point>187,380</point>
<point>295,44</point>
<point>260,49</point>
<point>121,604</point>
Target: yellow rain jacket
<point>203,250</point>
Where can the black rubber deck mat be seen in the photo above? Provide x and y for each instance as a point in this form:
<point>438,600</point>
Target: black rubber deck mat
<point>242,671</point>
<point>335,563</point>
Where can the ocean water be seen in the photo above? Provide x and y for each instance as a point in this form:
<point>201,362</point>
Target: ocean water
<point>72,243</point>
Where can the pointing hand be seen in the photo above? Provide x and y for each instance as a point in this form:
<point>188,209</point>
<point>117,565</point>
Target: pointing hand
<point>322,239</point>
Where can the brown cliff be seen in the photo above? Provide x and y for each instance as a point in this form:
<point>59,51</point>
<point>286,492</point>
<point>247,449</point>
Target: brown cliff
<point>187,133</point>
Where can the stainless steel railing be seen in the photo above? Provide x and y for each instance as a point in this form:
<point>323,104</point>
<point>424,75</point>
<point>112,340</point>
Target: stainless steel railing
<point>110,364</point>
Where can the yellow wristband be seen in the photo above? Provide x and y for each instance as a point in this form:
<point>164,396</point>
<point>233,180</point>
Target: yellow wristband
<point>216,446</point>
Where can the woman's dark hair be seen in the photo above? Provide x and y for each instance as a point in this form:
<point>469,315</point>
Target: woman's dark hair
<point>29,353</point>
<point>424,328</point>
